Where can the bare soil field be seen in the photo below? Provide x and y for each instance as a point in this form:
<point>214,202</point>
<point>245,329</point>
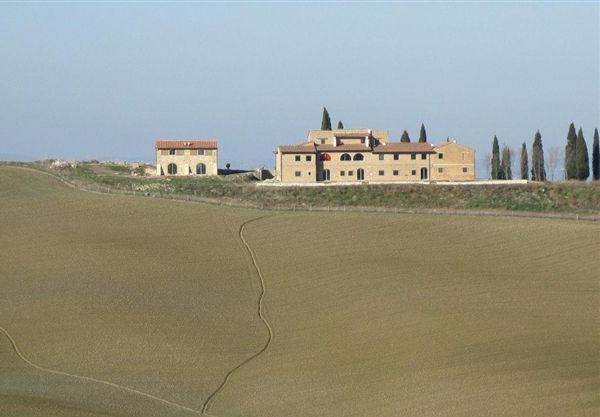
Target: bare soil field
<point>133,306</point>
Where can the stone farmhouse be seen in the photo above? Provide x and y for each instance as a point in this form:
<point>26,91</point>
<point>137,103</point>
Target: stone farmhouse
<point>186,157</point>
<point>350,155</point>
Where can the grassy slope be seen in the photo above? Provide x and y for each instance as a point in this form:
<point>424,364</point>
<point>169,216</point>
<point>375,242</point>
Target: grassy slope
<point>373,314</point>
<point>152,294</point>
<point>382,315</point>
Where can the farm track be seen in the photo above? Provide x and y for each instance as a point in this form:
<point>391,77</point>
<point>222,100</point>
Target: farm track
<point>397,210</point>
<point>212,396</point>
<point>18,352</point>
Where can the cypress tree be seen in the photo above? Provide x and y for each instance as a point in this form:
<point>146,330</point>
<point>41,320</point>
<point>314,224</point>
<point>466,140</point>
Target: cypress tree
<point>495,159</point>
<point>326,121</point>
<point>423,134</point>
<point>340,125</point>
<point>524,163</point>
<point>582,159</point>
<point>570,162</point>
<point>538,172</point>
<point>596,157</point>
<point>505,165</point>
<point>405,138</point>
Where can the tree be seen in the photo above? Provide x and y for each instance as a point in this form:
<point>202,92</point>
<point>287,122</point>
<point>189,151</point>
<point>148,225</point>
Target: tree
<point>596,157</point>
<point>570,163</point>
<point>405,137</point>
<point>326,121</point>
<point>582,159</point>
<point>524,163</point>
<point>495,160</point>
<point>340,125</point>
<point>505,165</point>
<point>227,165</point>
<point>553,160</point>
<point>423,134</point>
<point>538,172</point>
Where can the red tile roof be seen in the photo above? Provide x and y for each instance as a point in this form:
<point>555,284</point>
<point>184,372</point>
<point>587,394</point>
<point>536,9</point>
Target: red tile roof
<point>404,147</point>
<point>352,147</point>
<point>187,144</point>
<point>302,148</point>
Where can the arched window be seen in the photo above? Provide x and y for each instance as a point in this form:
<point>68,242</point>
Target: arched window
<point>200,169</point>
<point>346,157</point>
<point>172,169</point>
<point>325,157</point>
<point>359,157</point>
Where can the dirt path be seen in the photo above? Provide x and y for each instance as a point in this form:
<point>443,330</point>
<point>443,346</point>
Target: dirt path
<point>211,397</point>
<point>18,352</point>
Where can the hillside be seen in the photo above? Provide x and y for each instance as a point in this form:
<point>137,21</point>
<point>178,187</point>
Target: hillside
<point>372,314</point>
<point>572,198</point>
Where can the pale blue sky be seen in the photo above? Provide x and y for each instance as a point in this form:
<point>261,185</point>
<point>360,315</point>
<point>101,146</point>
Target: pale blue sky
<point>105,80</point>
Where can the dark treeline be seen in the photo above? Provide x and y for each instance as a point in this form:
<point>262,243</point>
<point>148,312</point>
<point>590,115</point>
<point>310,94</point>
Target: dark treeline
<point>576,163</point>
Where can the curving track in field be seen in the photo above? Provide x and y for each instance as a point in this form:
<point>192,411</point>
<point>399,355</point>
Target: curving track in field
<point>261,316</point>
<point>21,356</point>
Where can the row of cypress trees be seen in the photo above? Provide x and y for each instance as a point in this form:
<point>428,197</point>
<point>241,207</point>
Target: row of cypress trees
<point>577,161</point>
<point>326,125</point>
<point>577,164</point>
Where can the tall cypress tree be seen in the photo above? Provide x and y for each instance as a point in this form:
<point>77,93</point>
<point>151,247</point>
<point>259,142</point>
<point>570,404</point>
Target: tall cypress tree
<point>340,125</point>
<point>495,159</point>
<point>596,157</point>
<point>524,163</point>
<point>570,149</point>
<point>326,121</point>
<point>538,172</point>
<point>505,165</point>
<point>582,160</point>
<point>423,134</point>
<point>405,138</point>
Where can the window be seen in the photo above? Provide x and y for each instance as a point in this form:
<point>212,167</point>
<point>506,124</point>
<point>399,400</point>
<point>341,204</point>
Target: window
<point>413,156</point>
<point>171,151</point>
<point>322,140</point>
<point>326,175</point>
<point>325,157</point>
<point>200,152</point>
<point>358,157</point>
<point>345,157</point>
<point>423,156</point>
<point>172,169</point>
<point>381,173</point>
<point>396,156</point>
<point>297,173</point>
<point>465,169</point>
<point>360,174</point>
<point>440,156</point>
<point>396,172</point>
<point>381,156</point>
<point>342,173</point>
<point>308,158</point>
<point>414,172</point>
<point>463,156</point>
<point>440,170</point>
<point>362,140</point>
<point>200,169</point>
<point>297,158</point>
<point>350,173</point>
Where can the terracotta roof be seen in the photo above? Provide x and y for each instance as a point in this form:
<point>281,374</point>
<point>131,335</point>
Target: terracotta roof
<point>404,147</point>
<point>352,147</point>
<point>187,144</point>
<point>302,148</point>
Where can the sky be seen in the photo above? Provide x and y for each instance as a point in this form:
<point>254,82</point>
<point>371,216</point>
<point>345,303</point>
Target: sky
<point>105,80</point>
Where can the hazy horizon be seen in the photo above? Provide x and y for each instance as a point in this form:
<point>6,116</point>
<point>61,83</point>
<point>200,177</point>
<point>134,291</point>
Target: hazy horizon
<point>104,81</point>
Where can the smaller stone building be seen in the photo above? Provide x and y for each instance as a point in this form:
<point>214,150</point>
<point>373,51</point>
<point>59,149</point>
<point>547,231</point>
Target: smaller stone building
<point>186,157</point>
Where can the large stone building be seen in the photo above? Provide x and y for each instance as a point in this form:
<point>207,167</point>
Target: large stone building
<point>186,157</point>
<point>349,155</point>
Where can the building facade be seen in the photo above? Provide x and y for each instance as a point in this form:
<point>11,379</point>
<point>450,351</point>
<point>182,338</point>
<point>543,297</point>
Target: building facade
<point>186,157</point>
<point>349,155</point>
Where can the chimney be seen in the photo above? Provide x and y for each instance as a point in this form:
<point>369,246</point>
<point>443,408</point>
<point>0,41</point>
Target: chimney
<point>367,141</point>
